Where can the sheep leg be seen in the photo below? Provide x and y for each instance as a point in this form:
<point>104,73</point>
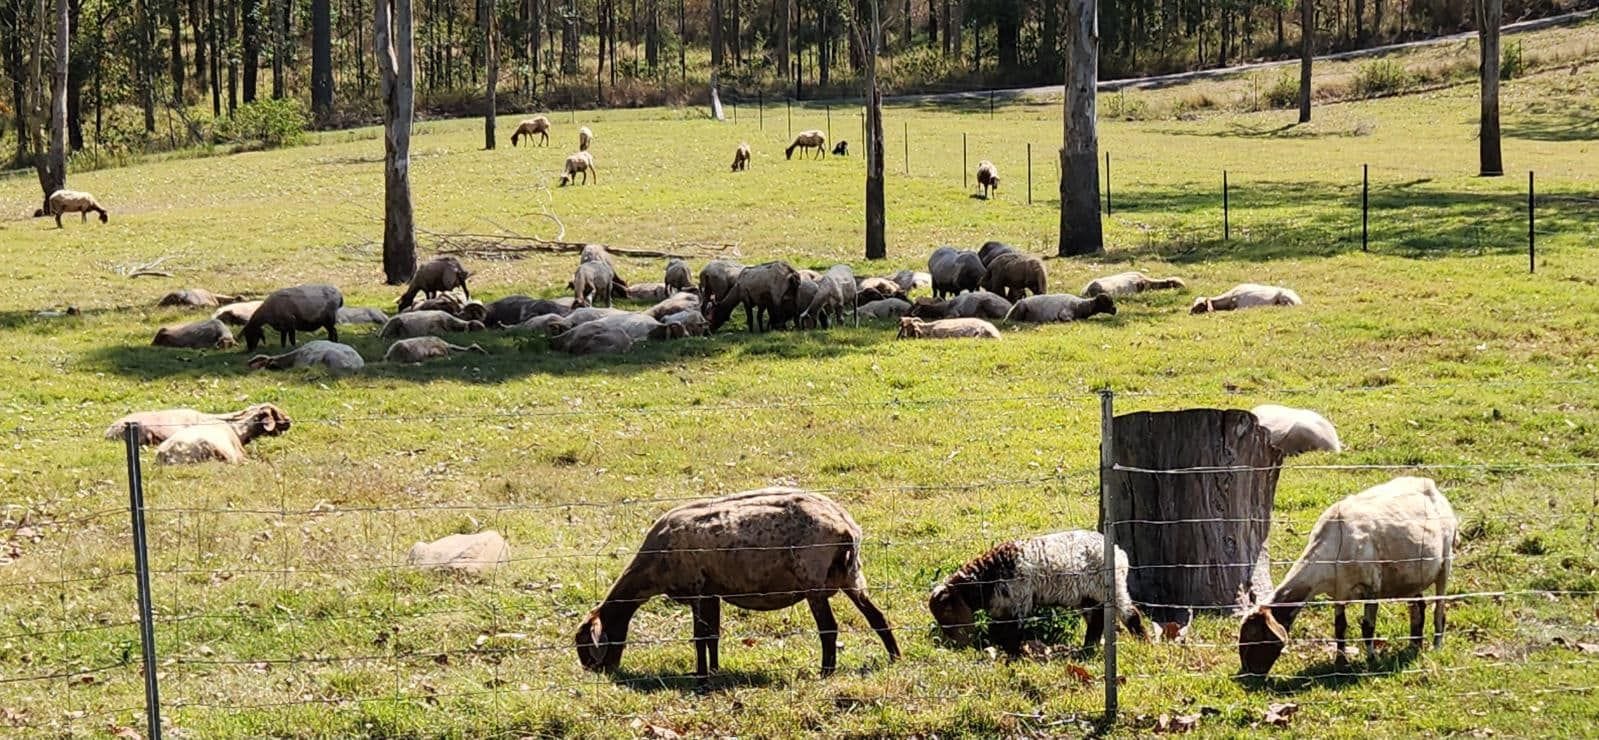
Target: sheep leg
<point>875,618</point>
<point>58,222</point>
<point>1340,629</point>
<point>1007,634</point>
<point>1418,621</point>
<point>1368,630</point>
<point>333,333</point>
<point>707,623</point>
<point>1095,619</point>
<point>827,629</point>
<point>83,217</point>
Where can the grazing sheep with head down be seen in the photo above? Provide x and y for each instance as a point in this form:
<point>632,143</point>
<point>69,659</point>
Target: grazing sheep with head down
<point>301,308</point>
<point>580,163</point>
<point>361,316</point>
<point>835,291</point>
<point>221,441</point>
<point>1015,579</point>
<point>762,550</point>
<point>992,249</point>
<point>196,298</point>
<point>337,358</point>
<point>1247,295</point>
<point>238,314</point>
<point>770,289</point>
<point>979,305</point>
<point>156,426</point>
<point>1390,541</point>
<point>1015,274</point>
<point>1043,309</point>
<point>438,275</point>
<point>425,323</point>
<point>717,278</point>
<point>954,271</point>
<point>1296,431</point>
<point>208,334</point>
<point>584,138</point>
<point>841,148</point>
<point>595,281</point>
<point>887,308</point>
<point>741,157</point>
<point>422,349</point>
<point>806,141</point>
<point>911,327</point>
<point>539,125</point>
<point>1128,283</point>
<point>62,202</point>
<point>987,178</point>
<point>678,277</point>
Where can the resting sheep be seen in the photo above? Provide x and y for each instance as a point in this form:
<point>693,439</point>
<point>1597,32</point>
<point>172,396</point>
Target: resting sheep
<point>303,307</point>
<point>887,308</point>
<point>361,316</point>
<point>741,157</point>
<point>980,305</point>
<point>1390,541</point>
<point>584,138</point>
<point>677,303</point>
<point>507,311</point>
<point>535,125</point>
<point>647,292</point>
<point>62,202</point>
<point>877,289</point>
<point>770,289</point>
<point>717,278</point>
<point>422,349</point>
<point>954,271</point>
<point>987,178</point>
<point>678,277</point>
<point>602,340</point>
<point>835,291</point>
<point>581,162</point>
<point>841,148</point>
<point>221,441</point>
<point>806,141</point>
<point>425,323</point>
<point>1128,283</point>
<point>1247,295</point>
<point>693,323</point>
<point>156,426</point>
<point>196,298</point>
<point>1015,579</point>
<point>438,275</point>
<point>762,550</point>
<point>1296,431</point>
<point>914,328</point>
<point>337,358</point>
<point>909,280</point>
<point>1014,275</point>
<point>208,334</point>
<point>1043,309</point>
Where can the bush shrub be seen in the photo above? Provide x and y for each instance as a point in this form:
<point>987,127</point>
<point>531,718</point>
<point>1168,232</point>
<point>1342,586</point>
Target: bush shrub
<point>1511,63</point>
<point>264,123</point>
<point>1284,93</point>
<point>1382,77</point>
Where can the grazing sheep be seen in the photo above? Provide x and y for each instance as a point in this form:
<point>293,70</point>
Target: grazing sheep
<point>987,178</point>
<point>581,162</point>
<point>594,281</point>
<point>1128,283</point>
<point>303,307</point>
<point>835,291</point>
<point>980,305</point>
<point>1015,579</point>
<point>1390,541</point>
<point>1014,275</point>
<point>1043,309</point>
<point>438,275</point>
<point>762,550</point>
<point>1296,431</point>
<point>361,316</point>
<point>992,249</point>
<point>909,280</point>
<point>648,292</point>
<point>221,441</point>
<point>678,277</point>
<point>237,314</point>
<point>877,289</point>
<point>62,202</point>
<point>425,323</point>
<point>678,302</point>
<point>911,327</point>
<point>535,125</point>
<point>841,148</point>
<point>954,271</point>
<point>806,141</point>
<point>337,358</point>
<point>584,138</point>
<point>741,157</point>
<point>717,278</point>
<point>422,349</point>
<point>887,308</point>
<point>156,426</point>
<point>771,288</point>
<point>208,334</point>
<point>196,298</point>
<point>1247,295</point>
<point>595,253</point>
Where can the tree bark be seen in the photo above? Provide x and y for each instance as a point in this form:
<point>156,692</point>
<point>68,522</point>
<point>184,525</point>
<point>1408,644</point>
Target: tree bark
<point>714,21</point>
<point>229,28</point>
<point>876,218</point>
<point>392,42</point>
<point>175,31</point>
<point>196,13</point>
<point>51,164</point>
<point>216,63</point>
<point>785,38</point>
<point>143,74</point>
<point>1307,39</point>
<point>1490,13</point>
<point>652,35</point>
<point>322,60</point>
<point>280,38</point>
<point>1080,229</point>
<point>75,74</point>
<point>252,46</point>
<point>492,69</point>
<point>1007,37</point>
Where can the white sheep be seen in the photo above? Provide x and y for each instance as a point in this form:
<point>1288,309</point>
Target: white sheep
<point>221,441</point>
<point>536,125</point>
<point>1296,431</point>
<point>834,291</point>
<point>422,323</point>
<point>1390,541</point>
<point>584,138</point>
<point>806,141</point>
<point>1247,295</point>
<point>238,313</point>
<point>741,157</point>
<point>987,178</point>
<point>71,201</point>
<point>581,162</point>
<point>338,358</point>
<point>421,349</point>
<point>1128,283</point>
<point>1015,579</point>
<point>911,327</point>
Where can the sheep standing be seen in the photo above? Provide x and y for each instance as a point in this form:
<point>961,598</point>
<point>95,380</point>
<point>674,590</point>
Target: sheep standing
<point>770,290</point>
<point>303,307</point>
<point>1246,295</point>
<point>581,162</point>
<point>223,442</point>
<point>437,275</point>
<point>806,141</point>
<point>594,281</point>
<point>1014,274</point>
<point>717,278</point>
<point>835,290</point>
<point>992,250</point>
<point>987,178</point>
<point>1296,431</point>
<point>1390,541</point>
<point>1043,309</point>
<point>980,305</point>
<point>536,125</point>
<point>678,277</point>
<point>954,271</point>
<point>422,349</point>
<point>338,358</point>
<point>1015,579</point>
<point>1128,283</point>
<point>584,138</point>
<point>71,201</point>
<point>914,328</point>
<point>762,550</point>
<point>238,314</point>
<point>741,157</point>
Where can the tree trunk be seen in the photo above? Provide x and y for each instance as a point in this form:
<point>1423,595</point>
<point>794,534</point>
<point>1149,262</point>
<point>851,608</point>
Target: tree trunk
<point>1307,38</point>
<point>947,20</point>
<point>1360,21</point>
<point>1281,43</point>
<point>392,41</point>
<point>1049,35</point>
<point>196,13</point>
<point>78,70</point>
<point>1192,539</point>
<point>876,218</point>
<point>322,60</point>
<point>652,36</point>
<point>280,36</point>
<point>738,51</point>
<point>714,21</point>
<point>51,164</point>
<point>491,55</point>
<point>535,23</point>
<point>229,28</point>
<point>15,69</point>
<point>957,17</point>
<point>143,73</point>
<point>1490,13</point>
<point>910,27</point>
<point>785,38</point>
<point>175,31</point>
<point>1007,37</point>
<point>932,24</point>
<point>216,69</point>
<point>252,46</point>
<point>1080,228</point>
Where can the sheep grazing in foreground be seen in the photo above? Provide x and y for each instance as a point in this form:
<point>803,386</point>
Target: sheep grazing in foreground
<point>1247,295</point>
<point>991,250</point>
<point>835,291</point>
<point>361,316</point>
<point>806,141</point>
<point>762,550</point>
<point>1296,431</point>
<point>339,359</point>
<point>156,426</point>
<point>1014,275</point>
<point>954,271</point>
<point>887,308</point>
<point>987,178</point>
<point>911,327</point>
<point>437,275</point>
<point>237,314</point>
<point>301,308</point>
<point>741,157</point>
<point>222,442</point>
<point>1015,579</point>
<point>539,125</point>
<point>196,298</point>
<point>841,148</point>
<point>422,349</point>
<point>717,278</point>
<point>62,202</point>
<point>768,290</point>
<point>595,281</point>
<point>1128,283</point>
<point>584,138</point>
<point>980,305</point>
<point>580,163</point>
<point>648,292</point>
<point>208,334</point>
<point>1390,541</point>
<point>425,323</point>
<point>1044,309</point>
<point>678,277</point>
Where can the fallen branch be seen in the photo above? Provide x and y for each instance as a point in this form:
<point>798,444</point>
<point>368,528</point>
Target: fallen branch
<point>148,269</point>
<point>148,273</point>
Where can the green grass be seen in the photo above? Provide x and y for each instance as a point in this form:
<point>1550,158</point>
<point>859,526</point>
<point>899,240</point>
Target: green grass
<point>285,608</point>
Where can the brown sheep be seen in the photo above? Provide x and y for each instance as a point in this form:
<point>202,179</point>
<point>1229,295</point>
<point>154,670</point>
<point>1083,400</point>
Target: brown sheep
<point>765,291</point>
<point>196,298</point>
<point>741,157</point>
<point>535,125</point>
<point>991,250</point>
<point>806,141</point>
<point>911,327</point>
<point>223,442</point>
<point>208,334</point>
<point>62,202</point>
<point>981,305</point>
<point>580,163</point>
<point>303,307</point>
<point>438,275</point>
<point>1128,283</point>
<point>424,323</point>
<point>1014,275</point>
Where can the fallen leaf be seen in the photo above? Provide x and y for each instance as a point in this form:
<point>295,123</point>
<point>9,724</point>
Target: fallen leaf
<point>647,729</point>
<point>1278,714</point>
<point>1176,725</point>
<point>1491,653</point>
<point>124,733</point>
<point>1080,673</point>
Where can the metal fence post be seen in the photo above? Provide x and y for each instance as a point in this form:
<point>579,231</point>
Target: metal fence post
<point>1107,183</point>
<point>1532,249</point>
<point>1365,206</point>
<point>1029,173</point>
<point>1226,210</point>
<point>963,159</point>
<point>1107,460</point>
<point>141,566</point>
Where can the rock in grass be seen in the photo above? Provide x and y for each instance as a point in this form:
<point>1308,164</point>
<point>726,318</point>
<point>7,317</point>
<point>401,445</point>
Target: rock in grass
<point>469,554</point>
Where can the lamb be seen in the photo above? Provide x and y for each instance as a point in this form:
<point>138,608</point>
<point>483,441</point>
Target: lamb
<point>835,291</point>
<point>771,288</point>
<point>62,202</point>
<point>581,162</point>
<point>980,305</point>
<point>678,277</point>
<point>1296,431</point>
<point>992,249</point>
<point>535,125</point>
<point>1016,578</point>
<point>1043,309</point>
<point>987,178</point>
<point>1390,541</point>
<point>911,327</point>
<point>741,157</point>
<point>877,289</point>
<point>717,278</point>
<point>1247,295</point>
<point>1014,274</point>
<point>1128,283</point>
<point>303,307</point>
<point>677,303</point>
<point>841,148</point>
<point>208,334</point>
<point>156,426</point>
<point>223,442</point>
<point>762,550</point>
<point>438,275</point>
<point>648,292</point>
<point>424,323</point>
<point>196,298</point>
<point>806,141</point>
<point>340,359</point>
<point>361,316</point>
<point>594,281</point>
<point>422,349</point>
<point>954,271</point>
<point>584,138</point>
<point>887,308</point>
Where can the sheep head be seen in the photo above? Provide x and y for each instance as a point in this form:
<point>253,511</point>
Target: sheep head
<point>1260,641</point>
<point>927,308</point>
<point>1103,303</point>
<point>596,649</point>
<point>956,620</point>
<point>105,217</point>
<point>260,362</point>
<point>39,213</point>
<point>1201,305</point>
<point>258,420</point>
<point>910,326</point>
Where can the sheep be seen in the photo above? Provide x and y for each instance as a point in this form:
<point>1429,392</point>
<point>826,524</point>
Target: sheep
<point>741,157</point>
<point>1013,275</point>
<point>562,324</point>
<point>762,550</point>
<point>954,271</point>
<point>911,327</point>
<point>1043,309</point>
<point>422,349</point>
<point>806,141</point>
<point>1128,283</point>
<point>841,149</point>
<point>648,292</point>
<point>594,281</point>
<point>602,340</point>
<point>887,308</point>
<point>809,288</point>
<point>991,249</point>
<point>980,305</point>
<point>637,326</point>
<point>303,307</point>
<point>677,303</point>
<point>581,162</point>
<point>223,442</point>
<point>693,322</point>
<point>987,178</point>
<point>1246,295</point>
<point>909,280</point>
<point>877,289</point>
<point>361,316</point>
<point>584,138</point>
<point>62,202</point>
<point>535,125</point>
<point>595,253</point>
<point>208,334</point>
<point>196,298</point>
<point>507,311</point>
<point>538,324</point>
<point>717,278</point>
<point>438,275</point>
<point>771,287</point>
<point>678,277</point>
<point>541,307</point>
<point>156,426</point>
<point>337,358</point>
<point>836,290</point>
<point>1390,541</point>
<point>424,323</point>
<point>1014,579</point>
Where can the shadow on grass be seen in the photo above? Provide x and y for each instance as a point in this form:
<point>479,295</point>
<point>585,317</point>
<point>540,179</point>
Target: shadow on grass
<point>686,683</point>
<point>1251,131</point>
<point>1329,674</point>
<point>1559,126</point>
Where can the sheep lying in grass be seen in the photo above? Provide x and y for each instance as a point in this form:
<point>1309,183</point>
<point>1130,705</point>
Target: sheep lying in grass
<point>584,138</point>
<point>600,340</point>
<point>835,292</point>
<point>339,359</point>
<point>762,550</point>
<point>1043,309</point>
<point>980,305</point>
<point>196,298</point>
<point>877,289</point>
<point>677,303</point>
<point>648,292</point>
<point>637,326</point>
<point>841,148</point>
<point>438,275</point>
<point>741,157</point>
<point>62,202</point>
<point>693,322</point>
<point>425,323</point>
<point>987,178</point>
<point>1128,283</point>
<point>911,327</point>
<point>300,308</point>
<point>954,271</point>
<point>1391,541</point>
<point>887,308</point>
<point>765,291</point>
<point>717,278</point>
<point>1296,431</point>
<point>422,349</point>
<point>511,310</point>
<point>806,141</point>
<point>1247,295</point>
<point>1015,579</point>
<point>156,426</point>
<point>909,280</point>
<point>208,334</point>
<point>222,442</point>
<point>580,163</point>
<point>1014,275</point>
<point>361,316</point>
<point>539,125</point>
<point>237,314</point>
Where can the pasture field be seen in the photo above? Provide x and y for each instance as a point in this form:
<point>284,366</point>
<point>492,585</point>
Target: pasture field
<point>285,609</point>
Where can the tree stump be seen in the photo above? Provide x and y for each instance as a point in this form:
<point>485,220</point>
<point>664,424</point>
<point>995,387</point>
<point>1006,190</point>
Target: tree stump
<point>1193,539</point>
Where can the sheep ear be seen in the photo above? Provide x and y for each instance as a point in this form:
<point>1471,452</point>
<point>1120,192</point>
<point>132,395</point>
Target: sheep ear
<point>1272,624</point>
<point>598,639</point>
